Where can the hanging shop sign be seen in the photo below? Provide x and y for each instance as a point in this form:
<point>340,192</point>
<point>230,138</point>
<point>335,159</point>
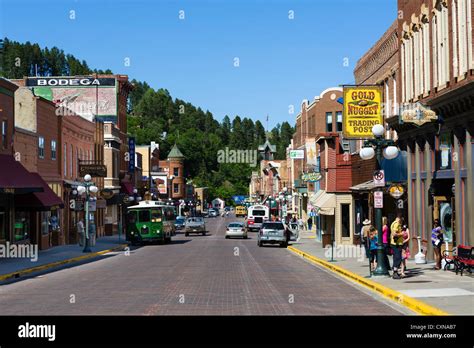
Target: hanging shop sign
<point>311,177</point>
<point>94,170</point>
<point>361,111</point>
<point>417,113</point>
<point>396,191</point>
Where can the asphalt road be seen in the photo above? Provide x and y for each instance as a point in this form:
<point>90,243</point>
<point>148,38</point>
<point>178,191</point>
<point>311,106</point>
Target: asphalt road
<point>196,275</point>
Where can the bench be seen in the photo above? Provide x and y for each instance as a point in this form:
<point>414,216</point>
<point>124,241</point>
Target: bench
<point>461,257</point>
<point>464,259</point>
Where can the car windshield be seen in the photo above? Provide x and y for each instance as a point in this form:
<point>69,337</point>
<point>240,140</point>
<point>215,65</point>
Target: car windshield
<point>196,219</point>
<point>236,224</point>
<point>273,226</point>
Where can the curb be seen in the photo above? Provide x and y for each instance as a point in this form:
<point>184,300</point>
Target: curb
<point>416,306</point>
<point>46,266</point>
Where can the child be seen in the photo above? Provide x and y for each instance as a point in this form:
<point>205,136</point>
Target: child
<point>373,243</point>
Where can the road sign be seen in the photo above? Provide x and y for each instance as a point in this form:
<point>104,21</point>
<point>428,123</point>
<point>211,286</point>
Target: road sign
<point>378,199</point>
<point>379,178</point>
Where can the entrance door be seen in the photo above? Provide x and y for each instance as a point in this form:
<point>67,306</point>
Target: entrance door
<point>443,211</point>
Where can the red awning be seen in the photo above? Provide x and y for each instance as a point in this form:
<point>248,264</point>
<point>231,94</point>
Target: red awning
<point>126,187</point>
<point>14,178</point>
<point>39,200</point>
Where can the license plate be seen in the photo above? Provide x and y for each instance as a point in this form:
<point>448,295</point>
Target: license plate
<point>273,233</point>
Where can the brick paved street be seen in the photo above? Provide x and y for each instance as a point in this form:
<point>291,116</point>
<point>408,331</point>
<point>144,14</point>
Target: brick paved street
<point>195,275</point>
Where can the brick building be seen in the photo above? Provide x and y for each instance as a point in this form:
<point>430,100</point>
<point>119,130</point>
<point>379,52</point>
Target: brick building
<point>437,70</point>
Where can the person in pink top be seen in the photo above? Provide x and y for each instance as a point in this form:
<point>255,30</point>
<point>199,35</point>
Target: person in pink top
<point>386,240</point>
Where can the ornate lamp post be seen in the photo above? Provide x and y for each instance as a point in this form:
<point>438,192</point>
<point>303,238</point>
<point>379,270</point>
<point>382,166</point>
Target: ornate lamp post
<point>87,187</point>
<point>379,147</point>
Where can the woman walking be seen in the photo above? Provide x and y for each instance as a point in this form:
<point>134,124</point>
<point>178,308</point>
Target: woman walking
<point>437,241</point>
<point>386,241</point>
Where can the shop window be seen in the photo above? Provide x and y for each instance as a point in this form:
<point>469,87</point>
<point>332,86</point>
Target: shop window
<point>345,220</point>
<point>45,216</point>
<point>21,226</point>
<point>443,155</point>
<point>3,232</point>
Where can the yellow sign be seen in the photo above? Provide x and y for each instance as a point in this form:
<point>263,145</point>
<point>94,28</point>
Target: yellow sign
<point>362,110</point>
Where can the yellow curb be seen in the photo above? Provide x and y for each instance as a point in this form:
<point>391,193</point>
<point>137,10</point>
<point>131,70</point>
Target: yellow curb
<point>58,263</point>
<point>409,302</point>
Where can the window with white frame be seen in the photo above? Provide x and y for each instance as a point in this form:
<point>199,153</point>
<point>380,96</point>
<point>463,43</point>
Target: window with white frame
<point>462,37</point>
<point>53,149</point>
<point>442,44</point>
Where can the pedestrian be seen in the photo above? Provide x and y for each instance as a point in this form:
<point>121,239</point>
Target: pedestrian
<point>437,241</point>
<point>300,224</point>
<point>396,242</point>
<point>405,249</point>
<point>386,241</point>
<point>80,230</point>
<point>364,234</point>
<point>373,244</point>
<point>310,223</point>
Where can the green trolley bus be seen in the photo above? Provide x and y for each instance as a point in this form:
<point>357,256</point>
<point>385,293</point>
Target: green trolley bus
<point>150,221</point>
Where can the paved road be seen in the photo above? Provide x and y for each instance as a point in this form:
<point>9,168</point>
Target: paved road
<point>195,275</point>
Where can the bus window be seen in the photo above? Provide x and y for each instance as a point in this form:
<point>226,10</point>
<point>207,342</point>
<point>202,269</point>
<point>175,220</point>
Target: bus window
<point>144,215</point>
<point>132,217</point>
<point>156,215</point>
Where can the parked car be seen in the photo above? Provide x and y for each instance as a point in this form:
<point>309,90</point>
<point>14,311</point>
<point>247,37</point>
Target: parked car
<point>179,223</point>
<point>273,233</point>
<point>213,213</point>
<point>236,229</point>
<point>194,225</point>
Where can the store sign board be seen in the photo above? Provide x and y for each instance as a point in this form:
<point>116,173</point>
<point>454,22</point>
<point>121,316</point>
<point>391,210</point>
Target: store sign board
<point>417,113</point>
<point>396,191</point>
<point>311,177</point>
<point>297,154</point>
<point>94,170</point>
<point>361,111</point>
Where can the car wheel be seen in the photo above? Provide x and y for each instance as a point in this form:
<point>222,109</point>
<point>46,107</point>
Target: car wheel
<point>226,237</point>
<point>186,234</point>
<point>284,244</point>
<point>204,233</point>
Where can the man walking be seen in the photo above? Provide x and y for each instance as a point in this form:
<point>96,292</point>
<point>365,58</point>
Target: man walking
<point>396,242</point>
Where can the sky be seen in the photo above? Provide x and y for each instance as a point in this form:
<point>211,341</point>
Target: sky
<point>250,58</point>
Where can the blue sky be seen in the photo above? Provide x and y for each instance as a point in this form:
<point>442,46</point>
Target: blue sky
<point>282,60</point>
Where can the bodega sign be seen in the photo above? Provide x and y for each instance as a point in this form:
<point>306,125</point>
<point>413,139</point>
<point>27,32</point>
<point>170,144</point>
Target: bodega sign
<point>362,110</point>
<point>69,82</point>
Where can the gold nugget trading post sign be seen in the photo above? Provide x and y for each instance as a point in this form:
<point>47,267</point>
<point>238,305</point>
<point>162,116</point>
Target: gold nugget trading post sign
<point>362,110</point>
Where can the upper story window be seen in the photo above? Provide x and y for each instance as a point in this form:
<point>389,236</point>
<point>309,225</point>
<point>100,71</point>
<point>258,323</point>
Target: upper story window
<point>176,171</point>
<point>41,147</point>
<point>53,149</point>
<point>339,121</point>
<point>328,121</point>
<point>65,159</point>
<point>4,134</point>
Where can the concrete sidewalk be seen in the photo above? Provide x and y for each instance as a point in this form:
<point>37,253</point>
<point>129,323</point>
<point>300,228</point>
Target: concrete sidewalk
<point>57,256</point>
<point>445,290</point>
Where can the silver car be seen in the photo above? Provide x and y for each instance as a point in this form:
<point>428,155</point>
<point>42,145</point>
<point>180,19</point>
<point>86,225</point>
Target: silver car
<point>236,229</point>
<point>273,233</point>
<point>194,225</point>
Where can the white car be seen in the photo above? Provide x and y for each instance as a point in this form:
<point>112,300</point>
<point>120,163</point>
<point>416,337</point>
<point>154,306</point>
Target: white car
<point>236,229</point>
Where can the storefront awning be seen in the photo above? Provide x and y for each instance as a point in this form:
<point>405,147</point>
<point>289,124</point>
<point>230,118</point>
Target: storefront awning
<point>325,204</point>
<point>313,196</point>
<point>39,200</point>
<point>365,186</point>
<point>14,178</point>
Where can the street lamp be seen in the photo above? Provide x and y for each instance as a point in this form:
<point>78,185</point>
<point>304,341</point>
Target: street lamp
<point>379,147</point>
<point>87,187</point>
